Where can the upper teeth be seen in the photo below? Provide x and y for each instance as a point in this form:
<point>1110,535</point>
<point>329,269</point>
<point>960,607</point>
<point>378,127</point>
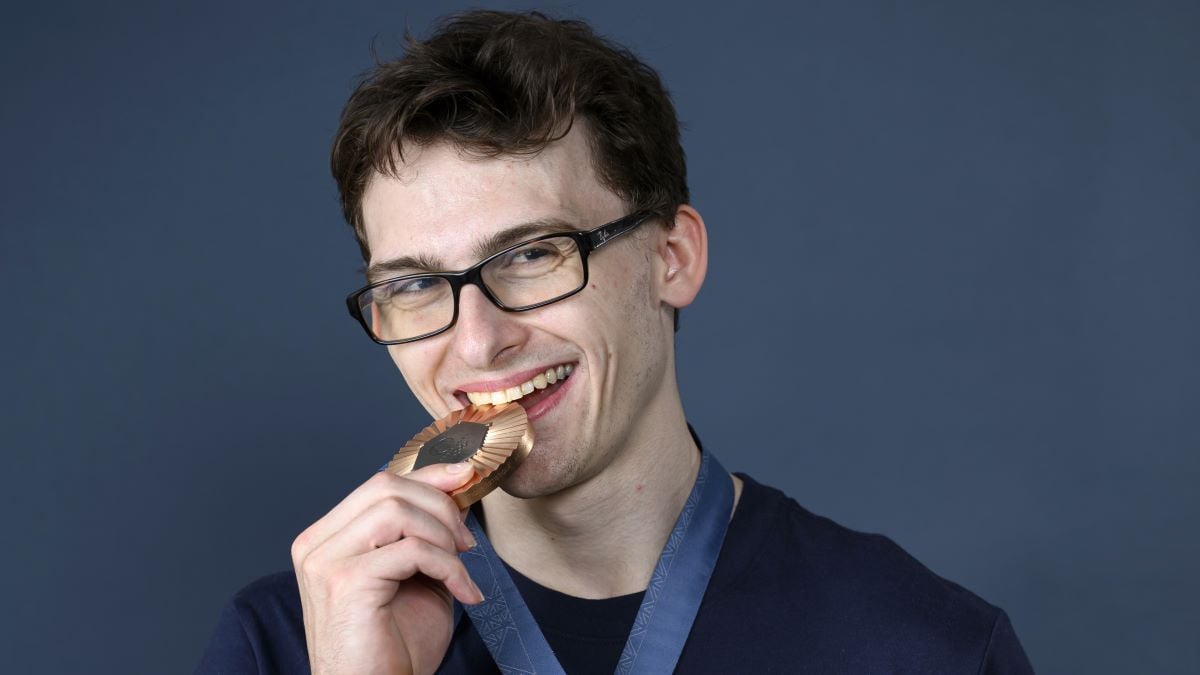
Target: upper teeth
<point>539,381</point>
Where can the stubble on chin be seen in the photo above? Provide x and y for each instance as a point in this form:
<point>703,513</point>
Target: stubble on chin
<point>542,476</point>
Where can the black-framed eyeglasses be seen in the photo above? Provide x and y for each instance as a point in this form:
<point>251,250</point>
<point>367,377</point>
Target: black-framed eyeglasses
<point>522,277</point>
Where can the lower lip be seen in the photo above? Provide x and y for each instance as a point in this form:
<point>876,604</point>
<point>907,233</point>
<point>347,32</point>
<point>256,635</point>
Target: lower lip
<point>546,404</point>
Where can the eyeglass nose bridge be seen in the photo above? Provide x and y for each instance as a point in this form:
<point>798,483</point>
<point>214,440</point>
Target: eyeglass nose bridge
<point>470,277</point>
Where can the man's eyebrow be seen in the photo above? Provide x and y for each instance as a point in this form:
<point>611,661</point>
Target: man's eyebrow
<point>498,241</point>
<point>405,264</point>
<point>518,233</point>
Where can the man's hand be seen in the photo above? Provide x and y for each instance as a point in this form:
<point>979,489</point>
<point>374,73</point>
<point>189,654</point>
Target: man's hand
<point>375,571</point>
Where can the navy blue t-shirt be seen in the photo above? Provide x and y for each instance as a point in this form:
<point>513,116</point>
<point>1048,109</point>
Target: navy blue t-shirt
<point>792,592</point>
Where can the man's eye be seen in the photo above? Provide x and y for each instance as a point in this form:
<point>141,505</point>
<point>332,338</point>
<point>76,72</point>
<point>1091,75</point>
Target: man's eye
<point>535,255</point>
<point>529,254</point>
<point>408,291</point>
<point>415,286</point>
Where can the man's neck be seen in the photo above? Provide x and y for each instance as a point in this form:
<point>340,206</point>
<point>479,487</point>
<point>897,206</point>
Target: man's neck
<point>601,538</point>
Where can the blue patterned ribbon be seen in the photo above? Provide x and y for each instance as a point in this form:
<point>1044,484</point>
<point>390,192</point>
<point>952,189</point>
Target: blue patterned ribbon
<point>668,608</point>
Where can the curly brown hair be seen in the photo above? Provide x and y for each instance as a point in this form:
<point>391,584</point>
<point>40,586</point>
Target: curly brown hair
<point>498,83</point>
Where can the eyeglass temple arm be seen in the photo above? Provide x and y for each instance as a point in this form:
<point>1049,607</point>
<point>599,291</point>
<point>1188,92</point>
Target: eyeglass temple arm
<point>604,234</point>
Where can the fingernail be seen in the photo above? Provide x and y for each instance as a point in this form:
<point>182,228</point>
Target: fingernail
<point>471,543</point>
<point>458,468</point>
<point>478,593</point>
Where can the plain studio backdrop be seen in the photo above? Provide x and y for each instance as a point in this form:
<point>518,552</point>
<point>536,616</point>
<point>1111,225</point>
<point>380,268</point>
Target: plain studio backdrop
<point>953,298</point>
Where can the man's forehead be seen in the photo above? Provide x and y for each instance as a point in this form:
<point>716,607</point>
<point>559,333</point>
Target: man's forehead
<point>443,202</point>
<point>455,233</point>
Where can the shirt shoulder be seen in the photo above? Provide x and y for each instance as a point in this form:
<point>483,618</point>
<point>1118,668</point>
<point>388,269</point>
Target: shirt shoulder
<point>260,630</point>
<point>838,600</point>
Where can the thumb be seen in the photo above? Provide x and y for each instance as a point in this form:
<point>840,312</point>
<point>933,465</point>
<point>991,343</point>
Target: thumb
<point>445,477</point>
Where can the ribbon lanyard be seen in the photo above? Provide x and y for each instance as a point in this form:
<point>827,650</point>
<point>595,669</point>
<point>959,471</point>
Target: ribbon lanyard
<point>668,608</point>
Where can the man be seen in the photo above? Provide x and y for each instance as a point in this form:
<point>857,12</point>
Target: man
<point>545,163</point>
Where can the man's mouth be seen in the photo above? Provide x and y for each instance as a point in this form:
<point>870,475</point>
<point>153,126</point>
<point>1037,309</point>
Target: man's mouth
<point>532,390</point>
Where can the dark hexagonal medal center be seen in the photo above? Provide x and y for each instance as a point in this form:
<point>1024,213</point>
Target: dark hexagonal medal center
<point>455,444</point>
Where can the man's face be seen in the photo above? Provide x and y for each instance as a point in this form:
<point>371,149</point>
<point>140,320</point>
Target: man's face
<point>614,336</point>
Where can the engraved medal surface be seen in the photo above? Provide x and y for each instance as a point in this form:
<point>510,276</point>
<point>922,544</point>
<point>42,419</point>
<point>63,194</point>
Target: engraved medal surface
<point>495,439</point>
<point>455,444</point>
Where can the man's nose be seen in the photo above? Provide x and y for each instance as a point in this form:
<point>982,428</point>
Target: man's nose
<point>483,332</point>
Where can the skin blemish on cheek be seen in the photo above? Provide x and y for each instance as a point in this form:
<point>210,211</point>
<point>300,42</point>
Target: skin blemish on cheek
<point>593,284</point>
<point>639,487</point>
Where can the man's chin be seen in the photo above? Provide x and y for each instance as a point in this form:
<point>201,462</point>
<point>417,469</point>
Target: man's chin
<point>537,477</point>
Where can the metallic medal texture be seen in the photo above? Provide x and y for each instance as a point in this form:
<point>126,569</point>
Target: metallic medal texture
<point>494,438</point>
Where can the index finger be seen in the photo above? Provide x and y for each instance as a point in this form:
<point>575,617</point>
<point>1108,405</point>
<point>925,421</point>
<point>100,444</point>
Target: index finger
<point>425,488</point>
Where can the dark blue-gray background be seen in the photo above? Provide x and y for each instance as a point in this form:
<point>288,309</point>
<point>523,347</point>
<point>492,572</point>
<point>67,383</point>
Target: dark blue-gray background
<point>952,298</point>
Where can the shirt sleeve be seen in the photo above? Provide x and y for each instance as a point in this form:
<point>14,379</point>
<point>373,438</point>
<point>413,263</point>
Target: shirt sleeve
<point>229,651</point>
<point>1004,655</point>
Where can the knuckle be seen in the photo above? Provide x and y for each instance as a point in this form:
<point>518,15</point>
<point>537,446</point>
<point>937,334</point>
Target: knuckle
<point>391,522</point>
<point>414,548</point>
<point>301,545</point>
<point>382,478</point>
<point>396,506</point>
<point>449,510</point>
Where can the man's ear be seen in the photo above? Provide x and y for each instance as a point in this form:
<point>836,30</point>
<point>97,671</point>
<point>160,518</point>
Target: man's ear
<point>682,258</point>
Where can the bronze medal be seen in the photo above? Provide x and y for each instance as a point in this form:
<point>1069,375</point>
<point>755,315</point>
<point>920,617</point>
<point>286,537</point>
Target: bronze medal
<point>494,438</point>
